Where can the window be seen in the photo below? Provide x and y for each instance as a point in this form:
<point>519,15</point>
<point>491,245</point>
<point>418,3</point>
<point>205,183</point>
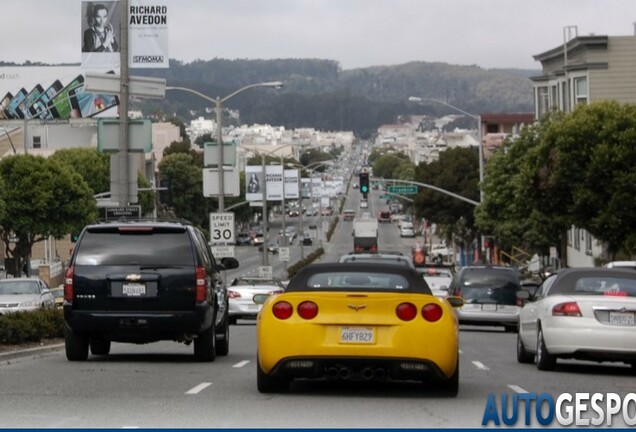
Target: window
<point>580,90</point>
<point>577,239</point>
<point>588,243</point>
<point>566,96</point>
<point>554,96</point>
<point>542,101</point>
<point>37,142</point>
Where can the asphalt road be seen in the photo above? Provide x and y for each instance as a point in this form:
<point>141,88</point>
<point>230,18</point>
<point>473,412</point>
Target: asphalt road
<point>160,386</point>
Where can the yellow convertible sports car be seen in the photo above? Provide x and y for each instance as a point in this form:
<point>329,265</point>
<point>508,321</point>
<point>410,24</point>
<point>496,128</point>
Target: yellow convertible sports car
<point>356,321</point>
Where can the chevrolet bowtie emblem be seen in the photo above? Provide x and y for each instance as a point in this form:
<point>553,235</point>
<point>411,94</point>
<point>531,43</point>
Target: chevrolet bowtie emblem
<point>357,307</point>
<point>133,277</point>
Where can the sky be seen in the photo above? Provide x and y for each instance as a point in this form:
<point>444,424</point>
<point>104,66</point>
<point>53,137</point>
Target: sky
<point>356,33</point>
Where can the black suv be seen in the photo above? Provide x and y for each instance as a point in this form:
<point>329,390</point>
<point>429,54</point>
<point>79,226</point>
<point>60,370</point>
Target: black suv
<point>145,281</point>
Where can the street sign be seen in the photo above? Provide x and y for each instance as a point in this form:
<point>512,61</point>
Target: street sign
<point>265,272</point>
<point>384,197</point>
<point>283,254</point>
<point>403,190</point>
<point>222,228</point>
<point>222,251</point>
<point>122,212</point>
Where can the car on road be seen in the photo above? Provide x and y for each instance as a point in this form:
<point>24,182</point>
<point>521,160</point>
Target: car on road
<point>580,313</point>
<point>241,294</point>
<point>356,321</point>
<point>364,203</point>
<point>306,239</point>
<point>407,230</point>
<point>384,216</point>
<point>25,294</point>
<point>58,293</point>
<point>273,247</point>
<point>438,279</point>
<point>440,253</point>
<point>142,281</point>
<point>243,239</point>
<point>379,258</point>
<point>348,215</point>
<point>311,211</point>
<point>490,295</point>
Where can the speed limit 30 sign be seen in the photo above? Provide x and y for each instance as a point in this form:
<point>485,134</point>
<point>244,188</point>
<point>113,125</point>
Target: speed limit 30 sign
<point>222,228</point>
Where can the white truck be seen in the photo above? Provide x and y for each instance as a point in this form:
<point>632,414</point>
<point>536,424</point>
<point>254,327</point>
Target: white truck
<point>365,235</point>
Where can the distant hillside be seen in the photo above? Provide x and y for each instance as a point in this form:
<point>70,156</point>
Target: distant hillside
<point>319,94</point>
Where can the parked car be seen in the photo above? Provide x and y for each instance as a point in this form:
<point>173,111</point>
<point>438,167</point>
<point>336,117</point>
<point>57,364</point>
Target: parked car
<point>490,295</point>
<point>440,253</point>
<point>406,230</point>
<point>241,293</point>
<point>306,239</point>
<point>580,313</point>
<point>25,295</point>
<point>357,322</point>
<point>141,282</point>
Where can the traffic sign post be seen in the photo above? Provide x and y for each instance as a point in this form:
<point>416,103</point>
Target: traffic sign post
<point>222,228</point>
<point>222,251</point>
<point>265,272</point>
<point>403,190</point>
<point>283,254</point>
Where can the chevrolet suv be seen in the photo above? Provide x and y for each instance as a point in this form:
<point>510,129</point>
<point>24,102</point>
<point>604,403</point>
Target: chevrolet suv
<point>141,282</point>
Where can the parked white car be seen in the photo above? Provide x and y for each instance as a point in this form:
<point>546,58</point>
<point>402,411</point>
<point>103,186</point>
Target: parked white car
<point>24,295</point>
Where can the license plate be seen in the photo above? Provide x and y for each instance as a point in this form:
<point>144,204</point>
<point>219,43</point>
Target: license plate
<point>254,307</point>
<point>489,307</point>
<point>621,318</point>
<point>357,335</point>
<point>134,289</point>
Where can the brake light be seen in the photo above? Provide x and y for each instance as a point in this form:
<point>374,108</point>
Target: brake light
<point>432,312</point>
<point>68,284</point>
<point>566,309</point>
<point>233,294</point>
<point>282,310</point>
<point>406,311</point>
<point>201,289</point>
<point>615,293</point>
<point>357,248</point>
<point>307,310</point>
<point>374,248</point>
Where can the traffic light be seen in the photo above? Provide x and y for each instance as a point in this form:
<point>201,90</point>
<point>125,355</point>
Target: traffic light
<point>364,182</point>
<point>489,242</point>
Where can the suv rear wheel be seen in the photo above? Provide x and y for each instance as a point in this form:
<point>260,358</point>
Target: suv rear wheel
<point>76,345</point>
<point>223,336</point>
<point>99,346</point>
<point>205,345</point>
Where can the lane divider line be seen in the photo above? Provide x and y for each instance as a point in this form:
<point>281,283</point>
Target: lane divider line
<point>517,389</point>
<point>480,365</point>
<point>241,364</point>
<point>199,388</point>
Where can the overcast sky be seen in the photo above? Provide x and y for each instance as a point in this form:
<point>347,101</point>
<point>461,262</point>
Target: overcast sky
<point>356,33</point>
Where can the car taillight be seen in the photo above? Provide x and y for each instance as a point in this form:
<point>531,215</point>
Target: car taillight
<point>419,258</point>
<point>68,284</point>
<point>374,248</point>
<point>282,310</point>
<point>566,309</point>
<point>201,289</point>
<point>406,311</point>
<point>233,294</point>
<point>432,312</point>
<point>357,248</point>
<point>307,310</point>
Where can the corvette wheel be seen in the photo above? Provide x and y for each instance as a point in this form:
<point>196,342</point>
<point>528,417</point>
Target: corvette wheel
<point>269,384</point>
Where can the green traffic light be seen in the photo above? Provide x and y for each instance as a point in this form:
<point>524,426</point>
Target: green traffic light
<point>364,189</point>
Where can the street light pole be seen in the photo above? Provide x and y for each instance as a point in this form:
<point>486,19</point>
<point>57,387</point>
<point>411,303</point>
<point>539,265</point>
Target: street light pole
<point>218,104</point>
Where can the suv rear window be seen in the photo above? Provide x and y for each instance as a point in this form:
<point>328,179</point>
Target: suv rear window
<point>488,285</point>
<point>135,246</point>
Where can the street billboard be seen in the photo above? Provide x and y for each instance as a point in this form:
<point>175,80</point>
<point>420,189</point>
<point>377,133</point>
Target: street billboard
<point>50,93</point>
<point>292,184</point>
<point>255,182</point>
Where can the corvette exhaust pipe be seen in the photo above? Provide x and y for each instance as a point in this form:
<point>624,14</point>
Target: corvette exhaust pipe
<point>367,374</point>
<point>379,374</point>
<point>332,373</point>
<point>344,373</point>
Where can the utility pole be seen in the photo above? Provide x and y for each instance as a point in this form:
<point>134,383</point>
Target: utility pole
<point>123,197</point>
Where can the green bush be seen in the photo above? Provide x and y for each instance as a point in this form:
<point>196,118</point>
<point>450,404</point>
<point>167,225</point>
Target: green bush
<point>293,269</point>
<point>21,327</point>
<point>332,227</point>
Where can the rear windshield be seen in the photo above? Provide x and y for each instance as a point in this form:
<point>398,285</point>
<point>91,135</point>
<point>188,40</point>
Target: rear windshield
<point>170,248</point>
<point>392,260</point>
<point>358,281</point>
<point>603,285</point>
<point>489,286</point>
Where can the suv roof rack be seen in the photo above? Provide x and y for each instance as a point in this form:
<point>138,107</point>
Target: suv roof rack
<point>137,219</point>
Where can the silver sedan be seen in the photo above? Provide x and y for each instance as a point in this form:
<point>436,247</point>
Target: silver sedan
<point>24,295</point>
<point>241,294</point>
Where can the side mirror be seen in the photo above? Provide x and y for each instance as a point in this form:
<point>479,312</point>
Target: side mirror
<point>229,263</point>
<point>455,302</point>
<point>523,295</point>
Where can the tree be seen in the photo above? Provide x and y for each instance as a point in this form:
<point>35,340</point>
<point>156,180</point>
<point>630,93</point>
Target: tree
<point>89,163</point>
<point>457,171</point>
<point>42,198</point>
<point>186,180</point>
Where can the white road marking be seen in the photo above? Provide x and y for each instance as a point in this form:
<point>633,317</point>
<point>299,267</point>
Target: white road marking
<point>198,388</point>
<point>241,364</point>
<point>517,389</point>
<point>480,365</point>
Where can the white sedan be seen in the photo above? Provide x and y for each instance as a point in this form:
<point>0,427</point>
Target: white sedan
<point>24,295</point>
<point>580,313</point>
